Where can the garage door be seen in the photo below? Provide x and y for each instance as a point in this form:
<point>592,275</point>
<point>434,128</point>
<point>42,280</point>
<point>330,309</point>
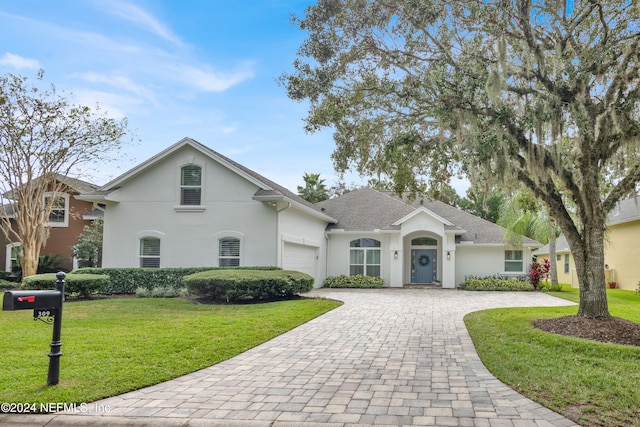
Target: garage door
<point>299,258</point>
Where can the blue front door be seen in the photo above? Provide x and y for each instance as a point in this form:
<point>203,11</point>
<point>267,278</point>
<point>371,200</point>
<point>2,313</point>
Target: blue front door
<point>423,265</point>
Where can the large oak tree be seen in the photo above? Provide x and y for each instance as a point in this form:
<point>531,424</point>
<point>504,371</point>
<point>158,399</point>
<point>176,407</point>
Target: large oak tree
<point>43,139</point>
<point>540,93</point>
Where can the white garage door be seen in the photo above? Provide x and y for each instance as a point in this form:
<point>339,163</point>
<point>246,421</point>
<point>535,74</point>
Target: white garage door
<point>299,258</point>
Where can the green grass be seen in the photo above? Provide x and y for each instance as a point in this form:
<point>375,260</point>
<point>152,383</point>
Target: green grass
<point>590,382</point>
<point>116,345</point>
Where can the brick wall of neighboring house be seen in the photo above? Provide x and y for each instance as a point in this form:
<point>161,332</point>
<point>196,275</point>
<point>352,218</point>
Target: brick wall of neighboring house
<point>61,239</point>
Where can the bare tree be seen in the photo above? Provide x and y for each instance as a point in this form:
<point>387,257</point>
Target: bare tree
<point>43,137</point>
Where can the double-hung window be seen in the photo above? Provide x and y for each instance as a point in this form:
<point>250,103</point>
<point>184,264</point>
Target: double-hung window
<point>14,255</point>
<point>150,252</point>
<point>364,257</point>
<point>191,185</point>
<point>513,261</point>
<point>59,210</point>
<point>229,252</point>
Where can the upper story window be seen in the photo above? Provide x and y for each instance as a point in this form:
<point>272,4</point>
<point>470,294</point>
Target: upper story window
<point>229,252</point>
<point>59,215</point>
<point>513,261</point>
<point>150,252</point>
<point>191,185</point>
<point>364,257</point>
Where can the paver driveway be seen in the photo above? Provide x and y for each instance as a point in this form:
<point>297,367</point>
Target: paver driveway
<point>386,357</point>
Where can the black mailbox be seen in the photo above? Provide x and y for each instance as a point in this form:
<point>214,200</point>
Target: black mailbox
<point>32,300</point>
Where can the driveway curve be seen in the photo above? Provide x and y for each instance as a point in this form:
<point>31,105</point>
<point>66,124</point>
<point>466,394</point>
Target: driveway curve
<point>385,357</point>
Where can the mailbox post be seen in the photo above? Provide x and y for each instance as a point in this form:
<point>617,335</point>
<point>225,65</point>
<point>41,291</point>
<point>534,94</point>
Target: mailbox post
<point>53,376</point>
<point>44,304</point>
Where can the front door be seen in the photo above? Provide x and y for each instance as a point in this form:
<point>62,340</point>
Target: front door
<point>424,261</point>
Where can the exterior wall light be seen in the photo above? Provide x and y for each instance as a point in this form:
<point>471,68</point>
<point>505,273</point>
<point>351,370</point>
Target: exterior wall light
<point>395,255</point>
<point>448,255</point>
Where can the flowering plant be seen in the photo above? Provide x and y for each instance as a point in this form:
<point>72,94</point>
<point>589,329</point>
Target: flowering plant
<point>539,271</point>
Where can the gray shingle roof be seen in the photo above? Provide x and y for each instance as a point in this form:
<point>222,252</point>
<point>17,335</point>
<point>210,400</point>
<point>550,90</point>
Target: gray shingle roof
<point>364,210</point>
<point>561,246</point>
<point>367,209</point>
<point>626,210</point>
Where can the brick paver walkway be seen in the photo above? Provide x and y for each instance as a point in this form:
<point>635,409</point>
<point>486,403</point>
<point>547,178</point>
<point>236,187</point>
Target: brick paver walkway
<point>386,357</point>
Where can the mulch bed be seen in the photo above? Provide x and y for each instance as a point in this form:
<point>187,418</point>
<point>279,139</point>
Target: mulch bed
<point>614,329</point>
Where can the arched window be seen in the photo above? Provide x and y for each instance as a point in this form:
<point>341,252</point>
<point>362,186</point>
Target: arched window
<point>229,252</point>
<point>191,185</point>
<point>150,252</point>
<point>364,257</point>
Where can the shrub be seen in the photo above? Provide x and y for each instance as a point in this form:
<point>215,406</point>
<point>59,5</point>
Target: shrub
<point>128,280</point>
<point>82,285</point>
<point>495,284</point>
<point>143,292</point>
<point>357,281</point>
<point>539,271</point>
<point>5,284</point>
<point>228,285</point>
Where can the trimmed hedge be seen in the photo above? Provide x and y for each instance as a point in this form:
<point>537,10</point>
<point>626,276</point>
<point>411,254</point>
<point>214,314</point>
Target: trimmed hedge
<point>356,281</point>
<point>129,280</point>
<point>237,285</point>
<point>82,285</point>
<point>495,284</point>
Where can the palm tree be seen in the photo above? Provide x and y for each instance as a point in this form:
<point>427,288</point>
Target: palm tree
<point>522,215</point>
<point>314,190</point>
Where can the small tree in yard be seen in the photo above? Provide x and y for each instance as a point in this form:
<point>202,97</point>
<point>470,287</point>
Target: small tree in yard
<point>43,138</point>
<point>89,246</point>
<point>542,94</point>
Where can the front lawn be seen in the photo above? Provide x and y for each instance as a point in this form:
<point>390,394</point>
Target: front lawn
<point>589,382</point>
<point>116,345</point>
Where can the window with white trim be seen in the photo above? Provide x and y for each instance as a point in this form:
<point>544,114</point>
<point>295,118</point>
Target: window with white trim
<point>566,263</point>
<point>59,215</point>
<point>191,185</point>
<point>364,257</point>
<point>13,255</point>
<point>513,261</point>
<point>229,252</point>
<point>150,252</point>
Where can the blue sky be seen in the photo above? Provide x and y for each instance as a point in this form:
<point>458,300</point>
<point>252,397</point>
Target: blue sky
<point>203,69</point>
<point>206,69</point>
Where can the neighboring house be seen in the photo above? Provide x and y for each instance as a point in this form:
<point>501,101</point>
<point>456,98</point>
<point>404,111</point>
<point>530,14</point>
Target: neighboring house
<point>191,206</point>
<point>621,243</point>
<point>565,265</point>
<point>66,222</point>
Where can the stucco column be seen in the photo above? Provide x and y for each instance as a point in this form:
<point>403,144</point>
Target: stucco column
<point>449,261</point>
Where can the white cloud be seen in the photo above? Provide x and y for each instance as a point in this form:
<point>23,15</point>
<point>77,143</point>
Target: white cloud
<point>118,81</point>
<point>114,105</point>
<point>211,81</point>
<point>19,62</point>
<point>142,18</point>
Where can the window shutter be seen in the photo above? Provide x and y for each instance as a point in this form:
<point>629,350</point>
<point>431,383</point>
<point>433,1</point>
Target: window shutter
<point>229,252</point>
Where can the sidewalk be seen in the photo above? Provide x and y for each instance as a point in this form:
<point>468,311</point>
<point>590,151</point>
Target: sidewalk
<point>386,357</point>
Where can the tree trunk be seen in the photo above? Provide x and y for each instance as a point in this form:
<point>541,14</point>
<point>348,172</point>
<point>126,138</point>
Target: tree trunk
<point>553,261</point>
<point>30,257</point>
<point>588,255</point>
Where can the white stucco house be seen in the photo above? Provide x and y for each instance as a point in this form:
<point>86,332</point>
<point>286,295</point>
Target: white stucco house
<point>191,206</point>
